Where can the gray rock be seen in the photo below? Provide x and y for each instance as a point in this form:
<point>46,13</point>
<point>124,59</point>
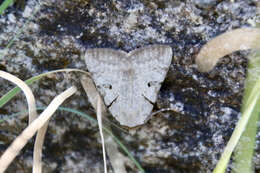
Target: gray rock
<point>206,106</point>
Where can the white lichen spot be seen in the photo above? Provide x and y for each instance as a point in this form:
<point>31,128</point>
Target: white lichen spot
<point>27,12</point>
<point>12,18</point>
<point>130,22</point>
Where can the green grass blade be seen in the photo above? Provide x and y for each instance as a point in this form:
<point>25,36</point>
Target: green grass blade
<point>9,95</point>
<point>251,106</point>
<point>4,5</point>
<point>245,149</point>
<point>225,157</point>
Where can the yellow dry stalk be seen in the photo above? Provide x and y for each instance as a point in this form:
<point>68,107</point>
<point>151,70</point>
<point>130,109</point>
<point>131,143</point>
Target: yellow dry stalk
<point>29,131</point>
<point>238,39</point>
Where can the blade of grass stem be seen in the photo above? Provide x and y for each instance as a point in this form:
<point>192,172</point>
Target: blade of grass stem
<point>29,131</point>
<point>99,119</point>
<point>92,93</point>
<point>27,91</point>
<point>226,43</point>
<point>123,147</point>
<point>244,152</point>
<point>93,120</point>
<point>239,129</point>
<point>5,5</point>
<point>9,95</point>
<point>4,99</point>
<point>41,133</point>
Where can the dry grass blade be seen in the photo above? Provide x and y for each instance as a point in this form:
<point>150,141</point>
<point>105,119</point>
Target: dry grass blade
<point>116,158</point>
<point>37,153</point>
<point>92,93</point>
<point>99,118</point>
<point>239,39</point>
<point>9,95</point>
<point>41,133</point>
<point>37,150</point>
<point>27,91</point>
<point>28,133</point>
<point>32,115</point>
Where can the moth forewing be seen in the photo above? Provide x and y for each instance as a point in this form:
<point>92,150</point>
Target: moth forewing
<point>129,82</point>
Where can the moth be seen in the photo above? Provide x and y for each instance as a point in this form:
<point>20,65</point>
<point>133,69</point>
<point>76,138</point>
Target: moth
<point>129,82</point>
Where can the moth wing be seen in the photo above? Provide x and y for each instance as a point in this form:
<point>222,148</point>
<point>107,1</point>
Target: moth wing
<point>104,65</point>
<point>152,64</point>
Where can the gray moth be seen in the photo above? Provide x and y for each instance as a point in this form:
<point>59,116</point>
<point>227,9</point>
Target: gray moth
<point>129,82</point>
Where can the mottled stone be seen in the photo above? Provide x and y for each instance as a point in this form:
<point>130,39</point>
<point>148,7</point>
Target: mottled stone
<point>206,106</point>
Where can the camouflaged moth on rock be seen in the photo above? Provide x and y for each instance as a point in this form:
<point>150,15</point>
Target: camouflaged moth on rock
<point>129,82</point>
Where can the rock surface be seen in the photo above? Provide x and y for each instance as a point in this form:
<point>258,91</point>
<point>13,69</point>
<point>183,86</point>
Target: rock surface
<point>206,105</point>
